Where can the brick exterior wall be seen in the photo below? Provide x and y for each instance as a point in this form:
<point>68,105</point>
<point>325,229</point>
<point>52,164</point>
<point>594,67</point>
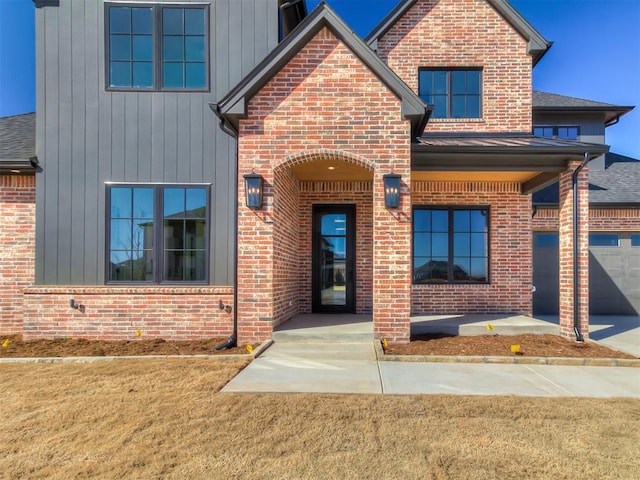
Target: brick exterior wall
<point>509,290</point>
<point>326,101</point>
<point>601,219</point>
<point>471,34</point>
<point>566,254</point>
<point>17,252</point>
<point>117,313</point>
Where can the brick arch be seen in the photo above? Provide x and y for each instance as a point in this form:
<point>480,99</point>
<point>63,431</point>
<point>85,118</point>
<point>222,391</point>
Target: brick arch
<point>325,154</point>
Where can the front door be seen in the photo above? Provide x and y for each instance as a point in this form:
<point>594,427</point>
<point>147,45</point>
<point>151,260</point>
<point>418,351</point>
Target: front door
<point>333,274</point>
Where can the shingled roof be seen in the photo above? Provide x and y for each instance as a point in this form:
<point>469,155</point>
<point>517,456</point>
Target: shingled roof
<point>617,184</point>
<point>552,102</point>
<point>18,143</point>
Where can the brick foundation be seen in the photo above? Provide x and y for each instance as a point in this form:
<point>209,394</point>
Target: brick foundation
<point>117,313</point>
<point>17,255</point>
<point>509,290</point>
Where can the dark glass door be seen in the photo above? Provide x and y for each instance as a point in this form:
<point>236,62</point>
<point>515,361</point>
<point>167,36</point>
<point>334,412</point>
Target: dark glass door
<point>333,259</point>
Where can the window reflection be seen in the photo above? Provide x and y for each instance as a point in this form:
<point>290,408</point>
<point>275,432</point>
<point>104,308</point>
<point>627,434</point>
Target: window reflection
<point>450,245</point>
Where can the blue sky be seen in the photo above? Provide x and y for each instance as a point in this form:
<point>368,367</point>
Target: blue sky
<point>596,53</point>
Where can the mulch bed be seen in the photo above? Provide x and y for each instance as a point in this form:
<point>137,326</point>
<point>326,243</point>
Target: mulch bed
<point>12,346</point>
<point>531,345</point>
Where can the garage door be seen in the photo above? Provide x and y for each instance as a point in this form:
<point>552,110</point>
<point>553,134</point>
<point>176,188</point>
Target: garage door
<point>614,273</point>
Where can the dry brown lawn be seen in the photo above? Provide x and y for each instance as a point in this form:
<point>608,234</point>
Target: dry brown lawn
<point>154,419</point>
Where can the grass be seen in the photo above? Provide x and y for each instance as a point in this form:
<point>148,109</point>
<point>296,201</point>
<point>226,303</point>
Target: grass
<point>156,419</point>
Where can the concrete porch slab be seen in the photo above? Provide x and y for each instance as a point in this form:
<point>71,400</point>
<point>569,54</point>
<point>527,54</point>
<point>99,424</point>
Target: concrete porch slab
<point>467,325</point>
<point>325,328</point>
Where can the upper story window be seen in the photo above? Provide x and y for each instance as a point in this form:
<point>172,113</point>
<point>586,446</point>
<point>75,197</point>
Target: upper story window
<point>454,93</point>
<point>157,47</point>
<point>451,245</point>
<point>157,233</point>
<point>566,133</point>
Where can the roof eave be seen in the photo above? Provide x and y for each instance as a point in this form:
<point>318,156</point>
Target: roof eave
<point>18,165</point>
<point>611,113</point>
<point>520,150</point>
<point>537,45</point>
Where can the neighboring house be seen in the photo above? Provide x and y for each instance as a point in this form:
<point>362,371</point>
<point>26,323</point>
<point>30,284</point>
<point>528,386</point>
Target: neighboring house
<point>216,168</point>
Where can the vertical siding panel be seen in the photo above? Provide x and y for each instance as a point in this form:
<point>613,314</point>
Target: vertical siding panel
<point>118,128</point>
<point>92,189</point>
<point>144,138</point>
<point>272,25</point>
<point>183,156</point>
<point>157,137</point>
<point>248,23</point>
<point>198,124</point>
<point>261,43</point>
<point>131,137</point>
<point>170,138</point>
<point>65,185</point>
<point>49,208</point>
<point>77,174</point>
<point>234,39</point>
<point>41,145</point>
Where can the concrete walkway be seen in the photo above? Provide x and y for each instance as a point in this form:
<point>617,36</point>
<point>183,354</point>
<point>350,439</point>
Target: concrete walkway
<point>335,354</point>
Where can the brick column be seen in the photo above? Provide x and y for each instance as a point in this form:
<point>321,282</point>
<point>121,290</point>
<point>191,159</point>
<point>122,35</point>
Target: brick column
<point>566,251</point>
<point>392,262</point>
<point>17,247</point>
<point>255,260</point>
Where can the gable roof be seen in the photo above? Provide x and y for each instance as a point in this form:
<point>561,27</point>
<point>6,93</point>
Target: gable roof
<point>552,102</point>
<point>618,184</point>
<point>18,143</point>
<point>233,106</point>
<point>537,45</point>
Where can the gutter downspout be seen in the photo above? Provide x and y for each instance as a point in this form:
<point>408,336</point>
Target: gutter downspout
<point>576,249</point>
<point>232,341</point>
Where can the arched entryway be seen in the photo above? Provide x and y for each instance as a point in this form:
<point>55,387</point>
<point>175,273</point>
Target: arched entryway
<point>323,234</point>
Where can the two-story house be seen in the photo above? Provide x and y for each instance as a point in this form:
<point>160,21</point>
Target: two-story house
<point>218,167</point>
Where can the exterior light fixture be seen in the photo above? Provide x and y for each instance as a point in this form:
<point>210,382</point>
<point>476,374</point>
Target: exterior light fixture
<point>391,190</point>
<point>253,190</point>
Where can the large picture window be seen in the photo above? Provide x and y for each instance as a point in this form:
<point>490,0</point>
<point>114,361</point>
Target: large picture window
<point>451,245</point>
<point>453,93</point>
<point>157,233</point>
<point>157,46</point>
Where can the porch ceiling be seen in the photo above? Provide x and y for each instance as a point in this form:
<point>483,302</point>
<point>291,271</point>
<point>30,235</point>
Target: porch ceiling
<point>331,170</point>
<point>444,176</point>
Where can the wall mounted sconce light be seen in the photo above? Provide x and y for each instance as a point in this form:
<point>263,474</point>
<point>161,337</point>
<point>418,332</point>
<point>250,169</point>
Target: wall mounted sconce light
<point>253,190</point>
<point>73,304</point>
<point>391,190</point>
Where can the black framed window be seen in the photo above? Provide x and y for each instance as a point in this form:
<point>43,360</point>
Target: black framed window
<point>451,245</point>
<point>635,239</point>
<point>157,233</point>
<point>604,240</point>
<point>564,132</point>
<point>157,46</point>
<point>453,93</point>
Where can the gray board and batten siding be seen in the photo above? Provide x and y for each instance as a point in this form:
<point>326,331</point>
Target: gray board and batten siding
<point>87,136</point>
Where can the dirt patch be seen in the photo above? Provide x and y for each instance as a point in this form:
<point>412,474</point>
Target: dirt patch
<point>12,346</point>
<point>529,345</point>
